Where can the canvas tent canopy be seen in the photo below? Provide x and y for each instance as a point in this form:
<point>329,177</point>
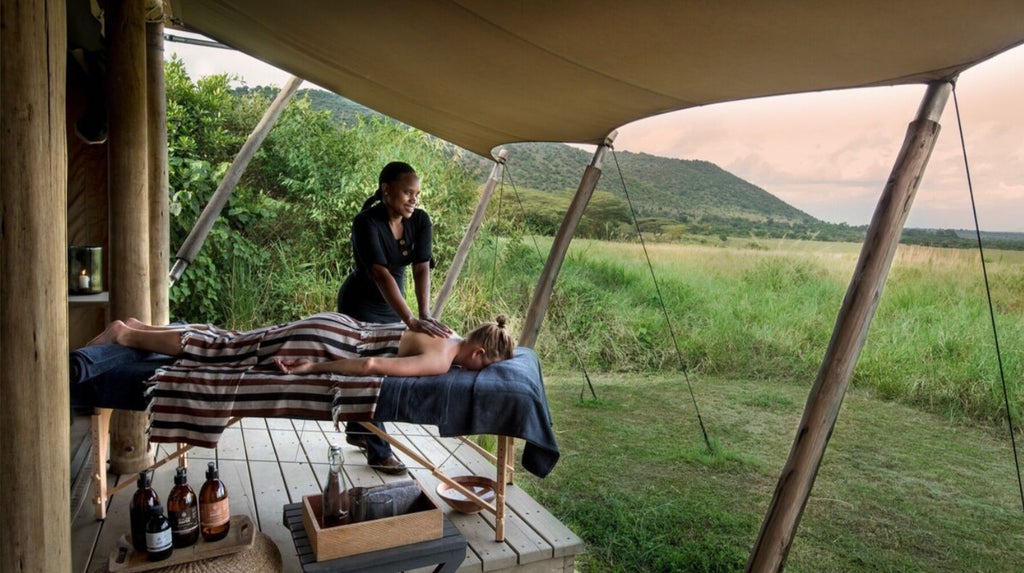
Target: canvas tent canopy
<point>481,73</point>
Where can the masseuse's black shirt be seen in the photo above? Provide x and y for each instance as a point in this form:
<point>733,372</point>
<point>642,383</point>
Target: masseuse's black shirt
<point>373,243</point>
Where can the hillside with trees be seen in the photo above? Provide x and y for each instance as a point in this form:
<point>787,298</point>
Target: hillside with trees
<point>672,198</point>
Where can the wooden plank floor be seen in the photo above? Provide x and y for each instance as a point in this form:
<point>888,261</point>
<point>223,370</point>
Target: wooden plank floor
<point>267,463</point>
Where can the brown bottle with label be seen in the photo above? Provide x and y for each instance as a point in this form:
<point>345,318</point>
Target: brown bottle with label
<point>158,535</point>
<point>183,511</point>
<point>214,513</point>
<point>142,502</point>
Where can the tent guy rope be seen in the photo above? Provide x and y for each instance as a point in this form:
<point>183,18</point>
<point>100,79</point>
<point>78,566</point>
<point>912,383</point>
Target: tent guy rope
<point>664,308</point>
<point>540,257</point>
<point>988,295</point>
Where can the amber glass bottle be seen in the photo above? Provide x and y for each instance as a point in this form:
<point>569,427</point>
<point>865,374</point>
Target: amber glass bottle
<point>158,535</point>
<point>183,511</point>
<point>143,500</point>
<point>214,513</point>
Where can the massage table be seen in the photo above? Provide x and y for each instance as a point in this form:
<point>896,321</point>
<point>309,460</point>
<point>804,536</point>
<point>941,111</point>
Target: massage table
<point>505,399</point>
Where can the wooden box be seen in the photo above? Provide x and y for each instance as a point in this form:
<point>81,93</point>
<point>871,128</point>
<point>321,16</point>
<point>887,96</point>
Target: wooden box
<point>423,522</point>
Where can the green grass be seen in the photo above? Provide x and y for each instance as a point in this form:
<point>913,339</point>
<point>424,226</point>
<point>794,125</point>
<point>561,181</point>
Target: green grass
<point>768,314</point>
<point>918,475</point>
<point>898,490</point>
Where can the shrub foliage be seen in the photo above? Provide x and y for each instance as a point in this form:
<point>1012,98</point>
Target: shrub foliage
<point>280,248</point>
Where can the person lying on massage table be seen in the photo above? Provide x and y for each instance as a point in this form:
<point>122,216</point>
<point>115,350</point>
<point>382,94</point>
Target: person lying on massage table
<point>311,345</point>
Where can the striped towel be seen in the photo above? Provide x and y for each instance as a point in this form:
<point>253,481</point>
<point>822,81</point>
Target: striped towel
<point>222,374</point>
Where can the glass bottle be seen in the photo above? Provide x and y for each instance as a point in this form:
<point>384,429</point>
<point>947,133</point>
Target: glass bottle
<point>183,511</point>
<point>335,508</point>
<point>214,513</point>
<point>158,534</point>
<point>143,500</point>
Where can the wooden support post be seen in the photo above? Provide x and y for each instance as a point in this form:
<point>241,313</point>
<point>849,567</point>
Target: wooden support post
<point>826,396</point>
<point>190,248</point>
<point>159,219</point>
<point>467,239</point>
<point>560,246</point>
<point>34,395</point>
<point>129,204</point>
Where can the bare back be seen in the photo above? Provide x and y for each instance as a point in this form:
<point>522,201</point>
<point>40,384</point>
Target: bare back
<point>433,353</point>
<point>414,343</point>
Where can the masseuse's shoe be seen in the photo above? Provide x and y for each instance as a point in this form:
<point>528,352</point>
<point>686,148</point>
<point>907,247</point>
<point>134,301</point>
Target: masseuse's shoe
<point>390,465</point>
<point>357,441</point>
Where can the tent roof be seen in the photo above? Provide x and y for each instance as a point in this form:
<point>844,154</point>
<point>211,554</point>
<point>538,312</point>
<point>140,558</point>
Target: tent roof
<point>483,73</point>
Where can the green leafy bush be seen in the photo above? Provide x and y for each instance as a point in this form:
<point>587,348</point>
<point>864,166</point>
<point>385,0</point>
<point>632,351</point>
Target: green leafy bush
<point>280,248</point>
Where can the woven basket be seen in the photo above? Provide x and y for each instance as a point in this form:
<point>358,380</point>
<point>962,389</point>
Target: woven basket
<point>262,557</point>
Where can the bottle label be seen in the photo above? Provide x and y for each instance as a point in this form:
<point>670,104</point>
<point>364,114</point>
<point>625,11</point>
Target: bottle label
<point>214,513</point>
<point>157,542</point>
<point>184,522</point>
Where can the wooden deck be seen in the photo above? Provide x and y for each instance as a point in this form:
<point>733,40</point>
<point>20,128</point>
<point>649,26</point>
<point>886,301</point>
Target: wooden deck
<point>267,463</point>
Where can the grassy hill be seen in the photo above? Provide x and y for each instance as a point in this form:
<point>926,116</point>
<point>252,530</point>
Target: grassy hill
<point>660,187</point>
<point>668,195</point>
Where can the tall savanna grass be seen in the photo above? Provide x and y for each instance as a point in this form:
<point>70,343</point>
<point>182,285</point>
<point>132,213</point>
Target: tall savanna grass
<point>766,311</point>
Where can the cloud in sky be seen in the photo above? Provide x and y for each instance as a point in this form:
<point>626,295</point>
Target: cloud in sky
<point>827,153</point>
<point>831,153</point>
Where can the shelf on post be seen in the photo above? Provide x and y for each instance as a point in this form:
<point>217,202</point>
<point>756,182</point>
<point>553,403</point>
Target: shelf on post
<point>97,299</point>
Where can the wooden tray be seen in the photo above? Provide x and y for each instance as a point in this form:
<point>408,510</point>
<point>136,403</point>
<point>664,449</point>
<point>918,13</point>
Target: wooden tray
<point>124,558</point>
<point>423,522</point>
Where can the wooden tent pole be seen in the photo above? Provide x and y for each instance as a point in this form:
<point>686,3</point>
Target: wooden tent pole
<point>467,239</point>
<point>865,289</point>
<point>159,219</point>
<point>34,395</point>
<point>560,246</point>
<point>129,204</point>
<point>190,248</point>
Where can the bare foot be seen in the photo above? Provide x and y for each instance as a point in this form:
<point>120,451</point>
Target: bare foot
<point>109,335</point>
<point>136,324</point>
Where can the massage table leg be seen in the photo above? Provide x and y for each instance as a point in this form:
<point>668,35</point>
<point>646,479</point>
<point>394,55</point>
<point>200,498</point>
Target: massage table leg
<point>100,425</point>
<point>501,479</point>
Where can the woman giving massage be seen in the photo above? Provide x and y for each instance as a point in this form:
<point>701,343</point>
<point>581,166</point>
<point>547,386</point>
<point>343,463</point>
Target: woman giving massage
<point>321,343</point>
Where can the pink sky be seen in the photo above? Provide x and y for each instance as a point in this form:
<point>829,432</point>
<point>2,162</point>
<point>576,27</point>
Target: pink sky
<point>826,153</point>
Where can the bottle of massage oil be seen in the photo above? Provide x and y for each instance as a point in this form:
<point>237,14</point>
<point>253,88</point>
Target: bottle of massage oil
<point>214,513</point>
<point>142,502</point>
<point>183,511</point>
<point>158,535</point>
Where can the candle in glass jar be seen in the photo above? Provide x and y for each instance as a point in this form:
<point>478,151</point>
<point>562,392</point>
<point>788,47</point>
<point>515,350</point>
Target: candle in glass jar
<point>83,280</point>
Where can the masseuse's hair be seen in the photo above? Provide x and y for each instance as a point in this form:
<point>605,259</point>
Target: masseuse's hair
<point>392,172</point>
<point>495,339</point>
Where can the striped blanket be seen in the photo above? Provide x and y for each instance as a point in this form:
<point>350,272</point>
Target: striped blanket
<point>222,374</point>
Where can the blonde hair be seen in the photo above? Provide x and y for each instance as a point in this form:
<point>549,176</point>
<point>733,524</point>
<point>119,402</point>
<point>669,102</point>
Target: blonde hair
<point>495,339</point>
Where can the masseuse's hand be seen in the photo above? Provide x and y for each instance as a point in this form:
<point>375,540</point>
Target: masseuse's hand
<point>431,326</point>
<point>298,366</point>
